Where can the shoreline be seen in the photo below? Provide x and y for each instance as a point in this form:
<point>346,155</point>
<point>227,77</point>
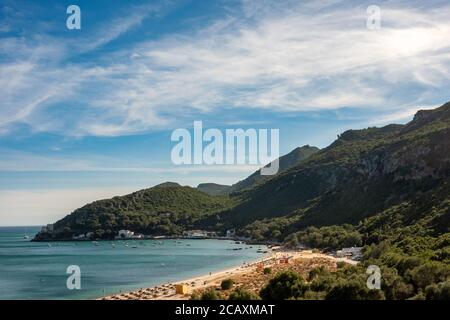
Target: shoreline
<point>233,270</point>
<point>244,241</point>
<point>213,279</point>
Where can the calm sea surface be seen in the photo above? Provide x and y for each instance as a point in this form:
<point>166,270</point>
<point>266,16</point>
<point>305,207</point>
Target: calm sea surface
<point>30,270</point>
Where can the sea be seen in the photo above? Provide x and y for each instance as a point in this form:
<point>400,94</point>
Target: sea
<point>39,270</point>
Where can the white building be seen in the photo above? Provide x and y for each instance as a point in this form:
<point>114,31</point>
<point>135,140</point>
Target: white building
<point>195,234</point>
<point>231,233</point>
<point>89,235</point>
<point>125,234</point>
<point>354,253</point>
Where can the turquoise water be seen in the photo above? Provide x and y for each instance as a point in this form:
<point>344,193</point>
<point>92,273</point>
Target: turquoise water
<point>30,270</point>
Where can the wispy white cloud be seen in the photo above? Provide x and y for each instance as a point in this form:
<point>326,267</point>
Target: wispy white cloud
<point>18,161</point>
<point>401,116</point>
<point>115,28</point>
<point>316,55</point>
<point>34,74</point>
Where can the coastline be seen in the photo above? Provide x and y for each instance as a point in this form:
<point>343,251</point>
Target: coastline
<point>109,268</point>
<point>228,271</point>
<point>246,270</point>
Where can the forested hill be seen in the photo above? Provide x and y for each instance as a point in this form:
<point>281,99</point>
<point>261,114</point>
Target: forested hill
<point>387,189</point>
<point>166,209</point>
<point>366,176</point>
<point>286,162</point>
<point>374,174</point>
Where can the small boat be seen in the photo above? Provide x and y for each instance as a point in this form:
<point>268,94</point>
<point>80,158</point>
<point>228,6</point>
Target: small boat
<point>49,245</point>
<point>26,237</point>
<point>134,247</point>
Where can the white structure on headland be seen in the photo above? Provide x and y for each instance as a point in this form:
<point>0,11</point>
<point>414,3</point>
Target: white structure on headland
<point>89,235</point>
<point>199,234</point>
<point>127,234</point>
<point>231,233</point>
<point>195,234</point>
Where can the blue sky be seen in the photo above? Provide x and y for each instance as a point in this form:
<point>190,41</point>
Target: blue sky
<point>87,114</point>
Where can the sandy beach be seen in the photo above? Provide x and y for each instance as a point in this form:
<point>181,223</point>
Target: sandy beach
<point>248,275</point>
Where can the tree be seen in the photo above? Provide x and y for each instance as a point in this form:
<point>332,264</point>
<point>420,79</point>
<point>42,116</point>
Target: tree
<point>285,285</point>
<point>227,284</point>
<point>402,290</point>
<point>354,289</point>
<point>210,294</point>
<point>439,291</point>
<point>317,271</point>
<point>242,294</point>
<point>292,241</point>
<point>276,234</point>
<point>428,273</point>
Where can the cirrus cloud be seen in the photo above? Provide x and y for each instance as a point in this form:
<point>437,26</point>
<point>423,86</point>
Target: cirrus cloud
<point>314,56</point>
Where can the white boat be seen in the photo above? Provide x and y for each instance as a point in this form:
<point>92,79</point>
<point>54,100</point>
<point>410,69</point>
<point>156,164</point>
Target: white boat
<point>26,234</point>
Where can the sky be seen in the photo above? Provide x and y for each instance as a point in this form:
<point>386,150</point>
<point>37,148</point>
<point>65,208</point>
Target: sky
<point>88,114</point>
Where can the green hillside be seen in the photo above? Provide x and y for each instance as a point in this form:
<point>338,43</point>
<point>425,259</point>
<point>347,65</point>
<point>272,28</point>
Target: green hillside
<point>387,189</point>
<point>362,174</point>
<point>286,162</point>
<point>213,189</point>
<point>365,178</point>
<point>166,209</point>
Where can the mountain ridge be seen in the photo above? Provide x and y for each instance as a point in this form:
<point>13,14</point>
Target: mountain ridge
<point>285,162</point>
<point>360,175</point>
